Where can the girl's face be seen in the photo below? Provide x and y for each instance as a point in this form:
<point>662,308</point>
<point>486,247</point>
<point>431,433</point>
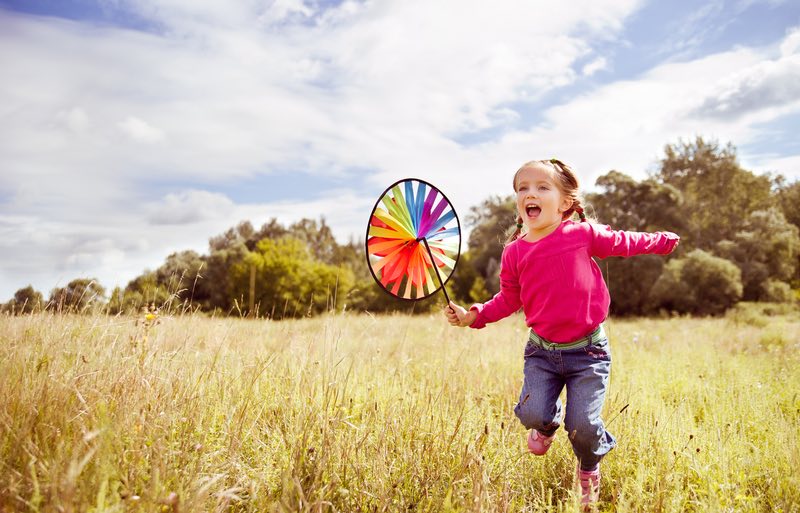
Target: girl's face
<point>540,202</point>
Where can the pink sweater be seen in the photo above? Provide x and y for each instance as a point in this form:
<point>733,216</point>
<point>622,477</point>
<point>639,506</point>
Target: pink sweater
<point>556,282</point>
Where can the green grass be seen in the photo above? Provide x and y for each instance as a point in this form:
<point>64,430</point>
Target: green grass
<point>361,413</point>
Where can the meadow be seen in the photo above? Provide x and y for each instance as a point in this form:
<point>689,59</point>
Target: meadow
<point>350,412</point>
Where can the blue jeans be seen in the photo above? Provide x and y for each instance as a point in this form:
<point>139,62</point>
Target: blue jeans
<point>585,373</point>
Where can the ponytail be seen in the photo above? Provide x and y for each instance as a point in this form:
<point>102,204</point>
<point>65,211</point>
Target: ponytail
<point>578,209</point>
<point>515,234</point>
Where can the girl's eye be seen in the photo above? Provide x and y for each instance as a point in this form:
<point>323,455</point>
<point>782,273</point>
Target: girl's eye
<point>544,188</point>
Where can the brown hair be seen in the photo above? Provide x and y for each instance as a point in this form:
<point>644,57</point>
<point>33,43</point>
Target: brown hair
<point>567,183</point>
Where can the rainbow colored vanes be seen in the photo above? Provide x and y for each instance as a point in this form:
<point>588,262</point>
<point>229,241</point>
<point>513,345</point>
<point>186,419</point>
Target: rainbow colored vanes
<point>408,212</point>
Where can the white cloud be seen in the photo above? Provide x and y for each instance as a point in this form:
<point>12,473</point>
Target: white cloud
<point>141,131</point>
<point>625,124</point>
<point>594,66</point>
<point>189,207</point>
<point>791,43</point>
<point>788,166</point>
<point>746,4</point>
<point>226,98</point>
<point>74,119</point>
<point>771,83</point>
<point>281,10</point>
<point>688,34</point>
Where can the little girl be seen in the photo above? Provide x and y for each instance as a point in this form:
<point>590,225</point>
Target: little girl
<point>548,271</point>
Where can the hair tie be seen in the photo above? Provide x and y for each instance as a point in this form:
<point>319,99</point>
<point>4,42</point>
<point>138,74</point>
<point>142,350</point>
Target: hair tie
<point>519,226</point>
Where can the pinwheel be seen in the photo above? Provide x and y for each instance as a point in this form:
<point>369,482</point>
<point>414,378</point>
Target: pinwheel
<point>413,240</point>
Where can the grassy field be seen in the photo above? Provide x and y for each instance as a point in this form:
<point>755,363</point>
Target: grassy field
<point>362,413</point>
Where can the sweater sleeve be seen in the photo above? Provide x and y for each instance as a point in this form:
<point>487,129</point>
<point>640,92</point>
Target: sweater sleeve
<point>607,242</point>
<point>505,302</point>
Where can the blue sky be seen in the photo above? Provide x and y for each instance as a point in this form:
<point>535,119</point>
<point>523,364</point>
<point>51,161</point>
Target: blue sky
<point>132,129</point>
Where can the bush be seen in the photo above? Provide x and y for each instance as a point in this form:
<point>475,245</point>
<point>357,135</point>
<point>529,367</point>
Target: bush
<point>699,283</point>
<point>776,292</point>
<point>630,281</point>
<point>759,313</point>
<point>746,313</point>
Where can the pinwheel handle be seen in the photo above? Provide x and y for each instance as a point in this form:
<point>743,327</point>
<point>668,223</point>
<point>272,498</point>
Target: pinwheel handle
<point>435,267</point>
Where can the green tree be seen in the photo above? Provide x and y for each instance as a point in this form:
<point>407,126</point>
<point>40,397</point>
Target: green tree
<point>698,283</point>
<point>116,301</point>
<point>467,285</point>
<point>270,230</point>
<point>141,291</point>
<point>288,280</point>
<point>766,249</point>
<point>216,290</point>
<point>25,300</point>
<point>630,282</point>
<point>243,233</point>
<point>181,275</point>
<point>318,237</point>
<point>646,206</point>
<point>326,286</point>
<point>177,283</point>
<point>217,284</point>
<point>490,223</point>
<point>353,255</point>
<point>227,250</point>
<point>716,190</point>
<point>789,199</point>
<point>79,295</point>
<point>626,204</point>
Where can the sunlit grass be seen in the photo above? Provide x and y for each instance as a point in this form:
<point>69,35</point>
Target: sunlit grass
<point>394,413</point>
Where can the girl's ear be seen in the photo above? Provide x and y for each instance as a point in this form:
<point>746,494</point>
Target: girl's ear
<point>566,204</point>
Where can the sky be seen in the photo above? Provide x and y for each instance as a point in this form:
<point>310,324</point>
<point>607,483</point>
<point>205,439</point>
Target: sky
<point>131,129</point>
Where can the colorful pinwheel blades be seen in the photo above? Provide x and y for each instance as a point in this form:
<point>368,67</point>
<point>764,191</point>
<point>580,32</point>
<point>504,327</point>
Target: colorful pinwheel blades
<point>408,214</point>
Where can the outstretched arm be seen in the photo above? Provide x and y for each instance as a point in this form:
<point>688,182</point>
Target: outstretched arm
<point>607,242</point>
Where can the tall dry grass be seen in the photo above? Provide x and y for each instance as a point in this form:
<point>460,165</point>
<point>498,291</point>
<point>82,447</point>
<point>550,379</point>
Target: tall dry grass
<point>394,413</point>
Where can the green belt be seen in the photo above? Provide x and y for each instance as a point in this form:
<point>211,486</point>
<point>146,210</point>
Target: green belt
<point>595,336</point>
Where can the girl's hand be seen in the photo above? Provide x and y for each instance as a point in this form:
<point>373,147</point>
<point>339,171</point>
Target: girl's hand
<point>458,316</point>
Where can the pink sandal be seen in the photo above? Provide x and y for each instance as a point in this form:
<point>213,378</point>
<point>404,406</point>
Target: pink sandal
<point>590,485</point>
<point>538,444</point>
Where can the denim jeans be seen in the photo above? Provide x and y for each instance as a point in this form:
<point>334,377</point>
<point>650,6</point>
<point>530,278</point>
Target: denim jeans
<point>585,373</point>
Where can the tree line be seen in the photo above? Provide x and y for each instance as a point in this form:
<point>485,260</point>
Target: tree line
<point>740,241</point>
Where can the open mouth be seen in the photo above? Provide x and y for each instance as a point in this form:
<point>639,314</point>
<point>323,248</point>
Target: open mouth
<point>533,211</point>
